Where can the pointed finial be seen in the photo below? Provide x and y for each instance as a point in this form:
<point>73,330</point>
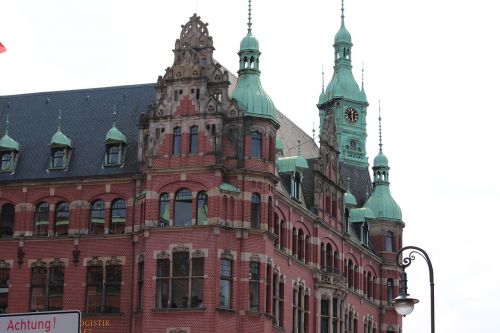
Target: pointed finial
<point>249,16</point>
<point>59,120</point>
<point>322,78</point>
<point>342,9</point>
<point>7,124</point>
<point>314,132</point>
<point>362,75</point>
<point>298,147</point>
<point>114,115</point>
<point>379,127</point>
<point>348,184</point>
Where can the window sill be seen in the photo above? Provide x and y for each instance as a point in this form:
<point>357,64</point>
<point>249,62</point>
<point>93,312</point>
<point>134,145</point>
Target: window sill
<point>161,310</point>
<point>225,310</point>
<point>254,313</point>
<point>57,169</point>
<point>278,328</point>
<point>117,165</point>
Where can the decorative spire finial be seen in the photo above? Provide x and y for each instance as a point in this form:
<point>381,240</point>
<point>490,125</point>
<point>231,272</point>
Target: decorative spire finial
<point>348,184</point>
<point>362,75</point>
<point>314,132</point>
<point>59,120</point>
<point>322,78</point>
<point>250,16</point>
<point>342,9</point>
<point>7,124</point>
<point>114,115</point>
<point>379,127</point>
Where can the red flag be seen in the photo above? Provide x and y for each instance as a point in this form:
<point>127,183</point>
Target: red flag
<point>2,48</point>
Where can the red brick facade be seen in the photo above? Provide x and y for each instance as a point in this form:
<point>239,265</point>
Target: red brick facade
<point>310,270</point>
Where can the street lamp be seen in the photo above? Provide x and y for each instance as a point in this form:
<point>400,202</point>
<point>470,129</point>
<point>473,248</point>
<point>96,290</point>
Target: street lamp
<point>404,304</point>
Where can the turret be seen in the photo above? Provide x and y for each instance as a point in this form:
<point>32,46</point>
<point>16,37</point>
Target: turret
<point>386,227</point>
<point>249,93</point>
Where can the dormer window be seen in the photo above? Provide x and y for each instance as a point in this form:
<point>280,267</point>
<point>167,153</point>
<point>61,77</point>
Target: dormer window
<point>58,158</point>
<point>60,149</point>
<point>364,233</point>
<point>114,154</point>
<point>7,161</point>
<point>295,185</point>
<point>9,148</point>
<point>115,146</point>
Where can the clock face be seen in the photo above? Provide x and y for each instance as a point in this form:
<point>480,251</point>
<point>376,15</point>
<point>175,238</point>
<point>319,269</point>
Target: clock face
<point>351,115</point>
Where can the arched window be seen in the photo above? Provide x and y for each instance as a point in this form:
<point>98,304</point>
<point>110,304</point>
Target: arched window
<point>294,241</point>
<point>353,145</point>
<point>225,210</point>
<point>389,241</point>
<point>307,255</point>
<point>282,235</point>
<point>97,219</point>
<point>301,245</point>
<point>231,209</point>
<point>177,146</point>
<point>322,257</point>
<point>256,145</point>
<point>62,219</point>
<point>118,216</point>
<point>350,274</point>
<point>42,219</point>
<point>270,214</point>
<point>369,287</point>
<point>390,290</point>
<point>164,210</point>
<point>202,208</point>
<point>193,140</point>
<point>329,258</point>
<point>183,207</point>
<point>276,230</point>
<point>255,211</point>
<point>7,216</point>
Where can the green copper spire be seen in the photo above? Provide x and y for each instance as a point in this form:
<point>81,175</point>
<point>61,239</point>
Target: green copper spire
<point>59,138</point>
<point>362,92</point>
<point>380,200</point>
<point>342,36</point>
<point>249,42</point>
<point>380,160</point>
<point>343,83</point>
<point>249,92</point>
<point>322,96</point>
<point>114,134</point>
<point>8,143</point>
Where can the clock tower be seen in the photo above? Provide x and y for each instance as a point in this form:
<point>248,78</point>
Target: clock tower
<point>347,102</point>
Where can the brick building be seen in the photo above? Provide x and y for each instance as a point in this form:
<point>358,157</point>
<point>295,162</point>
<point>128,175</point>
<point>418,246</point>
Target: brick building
<point>194,205</point>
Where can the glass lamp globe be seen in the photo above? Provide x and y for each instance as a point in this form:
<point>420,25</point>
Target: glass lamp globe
<point>404,305</point>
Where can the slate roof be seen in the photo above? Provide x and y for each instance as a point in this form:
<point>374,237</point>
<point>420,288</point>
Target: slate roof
<point>87,115</point>
<point>360,181</point>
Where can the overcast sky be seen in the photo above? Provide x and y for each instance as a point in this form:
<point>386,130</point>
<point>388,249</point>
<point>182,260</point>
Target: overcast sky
<point>433,65</point>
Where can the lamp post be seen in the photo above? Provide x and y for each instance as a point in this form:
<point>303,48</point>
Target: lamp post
<point>403,303</point>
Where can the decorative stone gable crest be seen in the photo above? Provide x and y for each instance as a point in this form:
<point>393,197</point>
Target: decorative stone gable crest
<point>195,81</point>
<point>194,34</point>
